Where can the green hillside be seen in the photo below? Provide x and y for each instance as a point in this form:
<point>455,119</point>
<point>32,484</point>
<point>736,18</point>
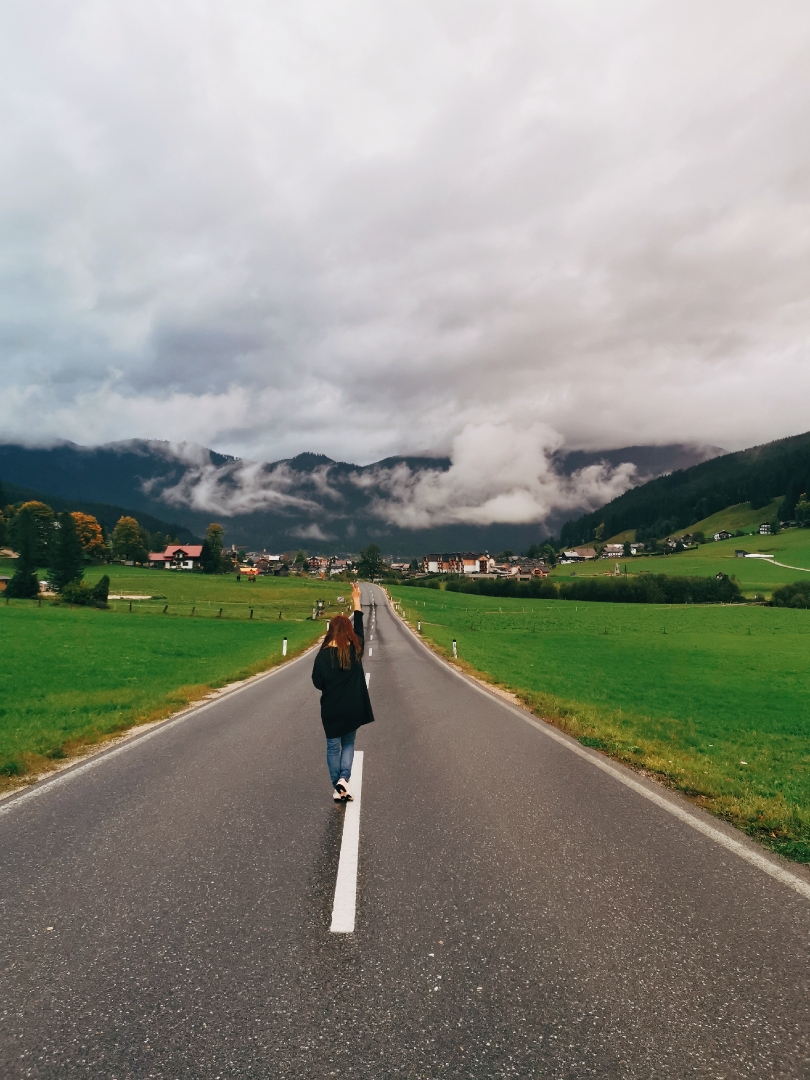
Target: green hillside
<point>740,517</point>
<point>683,499</point>
<point>791,547</point>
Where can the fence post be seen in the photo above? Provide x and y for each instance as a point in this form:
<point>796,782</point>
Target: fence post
<point>220,614</point>
<point>251,613</point>
<point>165,608</point>
<point>130,605</point>
<point>193,609</point>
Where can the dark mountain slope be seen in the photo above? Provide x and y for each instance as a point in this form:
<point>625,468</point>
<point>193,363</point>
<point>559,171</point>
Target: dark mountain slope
<point>102,512</point>
<point>683,497</point>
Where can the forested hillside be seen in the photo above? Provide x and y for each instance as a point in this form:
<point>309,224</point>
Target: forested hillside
<point>678,500</point>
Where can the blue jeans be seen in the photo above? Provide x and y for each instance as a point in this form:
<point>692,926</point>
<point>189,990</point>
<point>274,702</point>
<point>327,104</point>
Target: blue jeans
<point>339,756</point>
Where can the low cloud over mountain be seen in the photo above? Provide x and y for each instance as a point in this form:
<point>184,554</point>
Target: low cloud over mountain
<point>498,487</point>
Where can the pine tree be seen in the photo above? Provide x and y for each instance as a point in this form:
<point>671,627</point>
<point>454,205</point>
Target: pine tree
<point>25,582</point>
<point>67,560</point>
<point>215,544</point>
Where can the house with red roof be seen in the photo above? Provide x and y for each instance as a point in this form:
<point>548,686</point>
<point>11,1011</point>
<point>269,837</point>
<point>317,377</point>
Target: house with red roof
<point>177,557</point>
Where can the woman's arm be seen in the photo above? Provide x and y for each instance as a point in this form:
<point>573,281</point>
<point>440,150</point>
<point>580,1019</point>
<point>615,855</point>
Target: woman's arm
<point>356,596</point>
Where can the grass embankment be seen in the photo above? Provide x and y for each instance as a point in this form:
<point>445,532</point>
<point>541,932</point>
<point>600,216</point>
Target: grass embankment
<point>756,576</point>
<point>685,693</point>
<point>73,676</point>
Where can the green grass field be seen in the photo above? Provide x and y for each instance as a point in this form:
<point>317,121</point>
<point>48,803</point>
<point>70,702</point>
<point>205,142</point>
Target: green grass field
<point>792,546</point>
<point>687,693</point>
<point>72,676</point>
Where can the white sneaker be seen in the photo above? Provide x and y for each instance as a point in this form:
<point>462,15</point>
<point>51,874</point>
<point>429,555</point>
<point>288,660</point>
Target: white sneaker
<point>337,796</point>
<point>343,787</point>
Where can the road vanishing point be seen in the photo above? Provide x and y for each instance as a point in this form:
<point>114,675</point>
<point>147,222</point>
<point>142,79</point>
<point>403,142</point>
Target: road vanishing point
<point>509,906</point>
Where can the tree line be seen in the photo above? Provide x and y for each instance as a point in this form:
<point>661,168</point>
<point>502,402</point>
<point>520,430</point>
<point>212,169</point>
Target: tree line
<point>66,543</point>
<point>644,589</point>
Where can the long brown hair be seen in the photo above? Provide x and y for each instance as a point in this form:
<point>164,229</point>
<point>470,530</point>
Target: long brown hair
<point>341,636</point>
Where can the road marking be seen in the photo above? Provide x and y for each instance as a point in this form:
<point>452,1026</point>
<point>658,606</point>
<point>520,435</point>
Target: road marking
<point>345,905</point>
<point>773,869</point>
<point>368,678</point>
<point>369,652</point>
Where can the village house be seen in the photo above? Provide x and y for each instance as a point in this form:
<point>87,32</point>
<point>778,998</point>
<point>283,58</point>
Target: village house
<point>723,535</point>
<point>765,529</point>
<point>579,554</point>
<point>177,557</point>
<point>612,551</point>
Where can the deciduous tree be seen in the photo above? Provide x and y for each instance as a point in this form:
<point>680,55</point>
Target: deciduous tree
<point>90,536</point>
<point>127,542</point>
<point>371,563</point>
<point>43,519</point>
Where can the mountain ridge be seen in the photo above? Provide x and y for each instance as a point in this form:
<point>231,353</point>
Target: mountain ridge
<point>311,499</point>
<point>678,500</point>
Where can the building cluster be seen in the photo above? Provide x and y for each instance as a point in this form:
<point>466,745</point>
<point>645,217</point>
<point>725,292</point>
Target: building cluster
<point>607,551</point>
<point>466,562</point>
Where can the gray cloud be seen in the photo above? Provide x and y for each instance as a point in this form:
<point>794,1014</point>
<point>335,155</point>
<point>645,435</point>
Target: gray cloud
<point>381,229</point>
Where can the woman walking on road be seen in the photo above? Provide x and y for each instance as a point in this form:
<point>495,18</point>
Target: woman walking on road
<point>345,704</point>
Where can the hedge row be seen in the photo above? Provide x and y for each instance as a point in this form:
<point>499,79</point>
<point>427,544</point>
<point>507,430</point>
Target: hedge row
<point>645,589</point>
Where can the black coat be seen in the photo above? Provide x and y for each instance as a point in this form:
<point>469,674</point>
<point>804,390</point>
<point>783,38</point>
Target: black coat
<point>345,704</point>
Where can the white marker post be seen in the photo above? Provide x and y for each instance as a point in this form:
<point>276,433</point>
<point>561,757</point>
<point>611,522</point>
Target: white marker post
<point>455,649</point>
<point>284,647</point>
<point>345,905</point>
<point>419,625</point>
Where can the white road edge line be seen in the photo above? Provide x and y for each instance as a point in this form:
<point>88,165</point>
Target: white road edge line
<point>47,783</point>
<point>345,905</point>
<point>368,678</point>
<point>774,870</point>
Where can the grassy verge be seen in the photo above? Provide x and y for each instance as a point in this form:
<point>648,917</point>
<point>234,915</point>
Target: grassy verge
<point>713,700</point>
<point>71,677</point>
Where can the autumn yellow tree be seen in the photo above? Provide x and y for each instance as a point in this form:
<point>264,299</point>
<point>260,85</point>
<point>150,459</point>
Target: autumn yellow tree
<point>90,536</point>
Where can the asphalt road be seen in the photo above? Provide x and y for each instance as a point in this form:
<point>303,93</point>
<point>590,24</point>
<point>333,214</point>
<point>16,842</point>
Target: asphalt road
<point>165,913</point>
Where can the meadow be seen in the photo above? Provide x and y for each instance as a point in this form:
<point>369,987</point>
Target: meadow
<point>756,576</point>
<point>73,676</point>
<point>713,700</point>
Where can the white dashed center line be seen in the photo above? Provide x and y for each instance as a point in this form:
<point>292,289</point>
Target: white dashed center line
<point>344,907</point>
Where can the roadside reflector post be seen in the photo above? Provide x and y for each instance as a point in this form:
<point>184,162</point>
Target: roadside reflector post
<point>455,649</point>
<point>419,625</point>
<point>327,625</point>
<point>314,614</point>
<point>284,647</point>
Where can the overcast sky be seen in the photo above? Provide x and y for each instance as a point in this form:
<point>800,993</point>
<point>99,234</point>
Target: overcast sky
<point>363,229</point>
